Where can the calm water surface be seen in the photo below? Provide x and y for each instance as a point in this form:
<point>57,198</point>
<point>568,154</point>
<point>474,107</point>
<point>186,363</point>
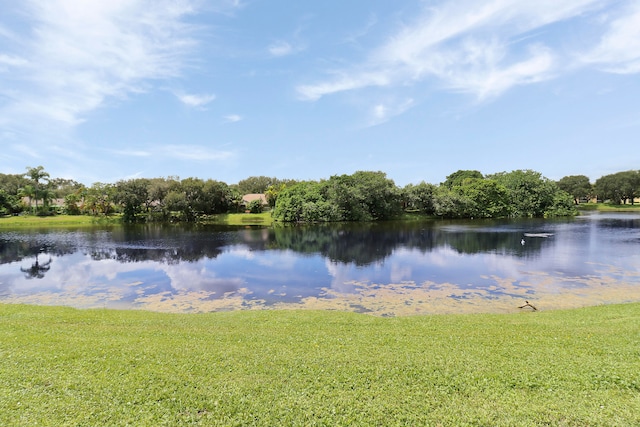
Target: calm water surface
<point>392,268</point>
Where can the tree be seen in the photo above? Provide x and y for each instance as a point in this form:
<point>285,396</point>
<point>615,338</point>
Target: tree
<point>419,197</point>
<point>29,192</point>
<point>256,184</point>
<point>217,197</point>
<point>450,203</point>
<point>9,204</point>
<point>132,195</point>
<point>13,183</point>
<point>629,185</point>
<point>72,203</point>
<point>578,186</point>
<point>99,198</point>
<point>619,187</point>
<point>459,177</point>
<point>255,206</point>
<point>363,196</point>
<point>486,198</point>
<point>272,193</point>
<point>530,194</point>
<point>36,175</point>
<point>305,201</point>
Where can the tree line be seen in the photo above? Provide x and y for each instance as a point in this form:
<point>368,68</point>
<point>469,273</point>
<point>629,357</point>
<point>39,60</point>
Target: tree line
<point>362,196</point>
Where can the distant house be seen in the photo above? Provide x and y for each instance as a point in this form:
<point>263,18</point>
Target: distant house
<point>248,198</point>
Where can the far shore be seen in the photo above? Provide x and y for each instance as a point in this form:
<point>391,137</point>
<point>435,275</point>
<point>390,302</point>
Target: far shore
<point>222,219</point>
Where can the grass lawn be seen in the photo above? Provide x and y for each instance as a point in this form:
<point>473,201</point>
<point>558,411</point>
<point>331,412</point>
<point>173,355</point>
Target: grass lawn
<point>609,207</point>
<point>62,366</point>
<point>32,221</point>
<point>263,218</point>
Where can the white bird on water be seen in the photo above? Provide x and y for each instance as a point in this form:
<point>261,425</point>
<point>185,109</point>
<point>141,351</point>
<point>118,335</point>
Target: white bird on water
<point>522,242</point>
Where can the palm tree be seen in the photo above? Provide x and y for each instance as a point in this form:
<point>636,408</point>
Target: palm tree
<point>37,174</point>
<point>27,191</point>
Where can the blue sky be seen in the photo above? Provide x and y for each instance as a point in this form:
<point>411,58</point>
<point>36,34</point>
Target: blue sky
<point>103,90</point>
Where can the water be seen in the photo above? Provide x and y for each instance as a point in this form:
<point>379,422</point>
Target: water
<point>391,268</point>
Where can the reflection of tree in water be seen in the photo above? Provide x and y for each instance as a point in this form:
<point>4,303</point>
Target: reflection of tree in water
<point>367,243</point>
<point>37,270</point>
<point>358,243</point>
<point>26,246</point>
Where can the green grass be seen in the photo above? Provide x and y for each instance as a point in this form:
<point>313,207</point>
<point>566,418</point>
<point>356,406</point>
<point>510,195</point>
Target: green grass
<point>61,366</point>
<point>263,218</point>
<point>32,221</point>
<point>609,207</point>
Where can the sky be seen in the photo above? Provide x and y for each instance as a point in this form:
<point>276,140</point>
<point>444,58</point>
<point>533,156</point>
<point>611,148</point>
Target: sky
<point>109,90</point>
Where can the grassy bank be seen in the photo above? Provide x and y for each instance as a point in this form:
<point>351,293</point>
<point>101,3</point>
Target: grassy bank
<point>61,366</point>
<point>32,221</point>
<point>609,207</point>
<point>243,219</point>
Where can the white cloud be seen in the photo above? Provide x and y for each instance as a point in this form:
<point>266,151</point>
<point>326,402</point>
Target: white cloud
<point>232,118</point>
<point>382,112</point>
<point>479,48</point>
<point>284,48</point>
<point>345,82</point>
<point>280,48</point>
<point>194,152</point>
<point>193,100</point>
<point>132,153</point>
<point>12,61</point>
<point>75,55</point>
<point>619,48</point>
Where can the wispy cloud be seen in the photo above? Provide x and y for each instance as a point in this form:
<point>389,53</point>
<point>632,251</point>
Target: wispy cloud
<point>194,152</point>
<point>382,112</point>
<point>280,48</point>
<point>232,118</point>
<point>132,153</point>
<point>194,100</point>
<point>619,48</point>
<point>479,48</point>
<point>72,56</point>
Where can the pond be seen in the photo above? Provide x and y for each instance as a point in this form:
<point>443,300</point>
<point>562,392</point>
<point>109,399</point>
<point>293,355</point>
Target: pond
<point>387,268</point>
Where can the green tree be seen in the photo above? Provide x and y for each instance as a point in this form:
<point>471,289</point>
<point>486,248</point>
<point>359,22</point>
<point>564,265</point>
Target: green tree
<point>12,183</point>
<point>255,206</point>
<point>578,186</point>
<point>133,196</point>
<point>98,198</point>
<point>629,185</point>
<point>36,175</point>
<point>459,177</point>
<point>272,193</point>
<point>217,197</point>
<point>305,202</point>
<point>9,203</point>
<point>363,196</point>
<point>485,198</point>
<point>256,184</point>
<point>619,187</point>
<point>72,203</point>
<point>29,192</point>
<point>530,194</point>
<point>419,197</point>
<point>451,203</point>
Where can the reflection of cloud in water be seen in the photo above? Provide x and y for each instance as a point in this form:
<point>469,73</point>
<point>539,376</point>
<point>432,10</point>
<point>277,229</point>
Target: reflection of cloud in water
<point>343,276</point>
<point>433,272</point>
<point>190,277</point>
